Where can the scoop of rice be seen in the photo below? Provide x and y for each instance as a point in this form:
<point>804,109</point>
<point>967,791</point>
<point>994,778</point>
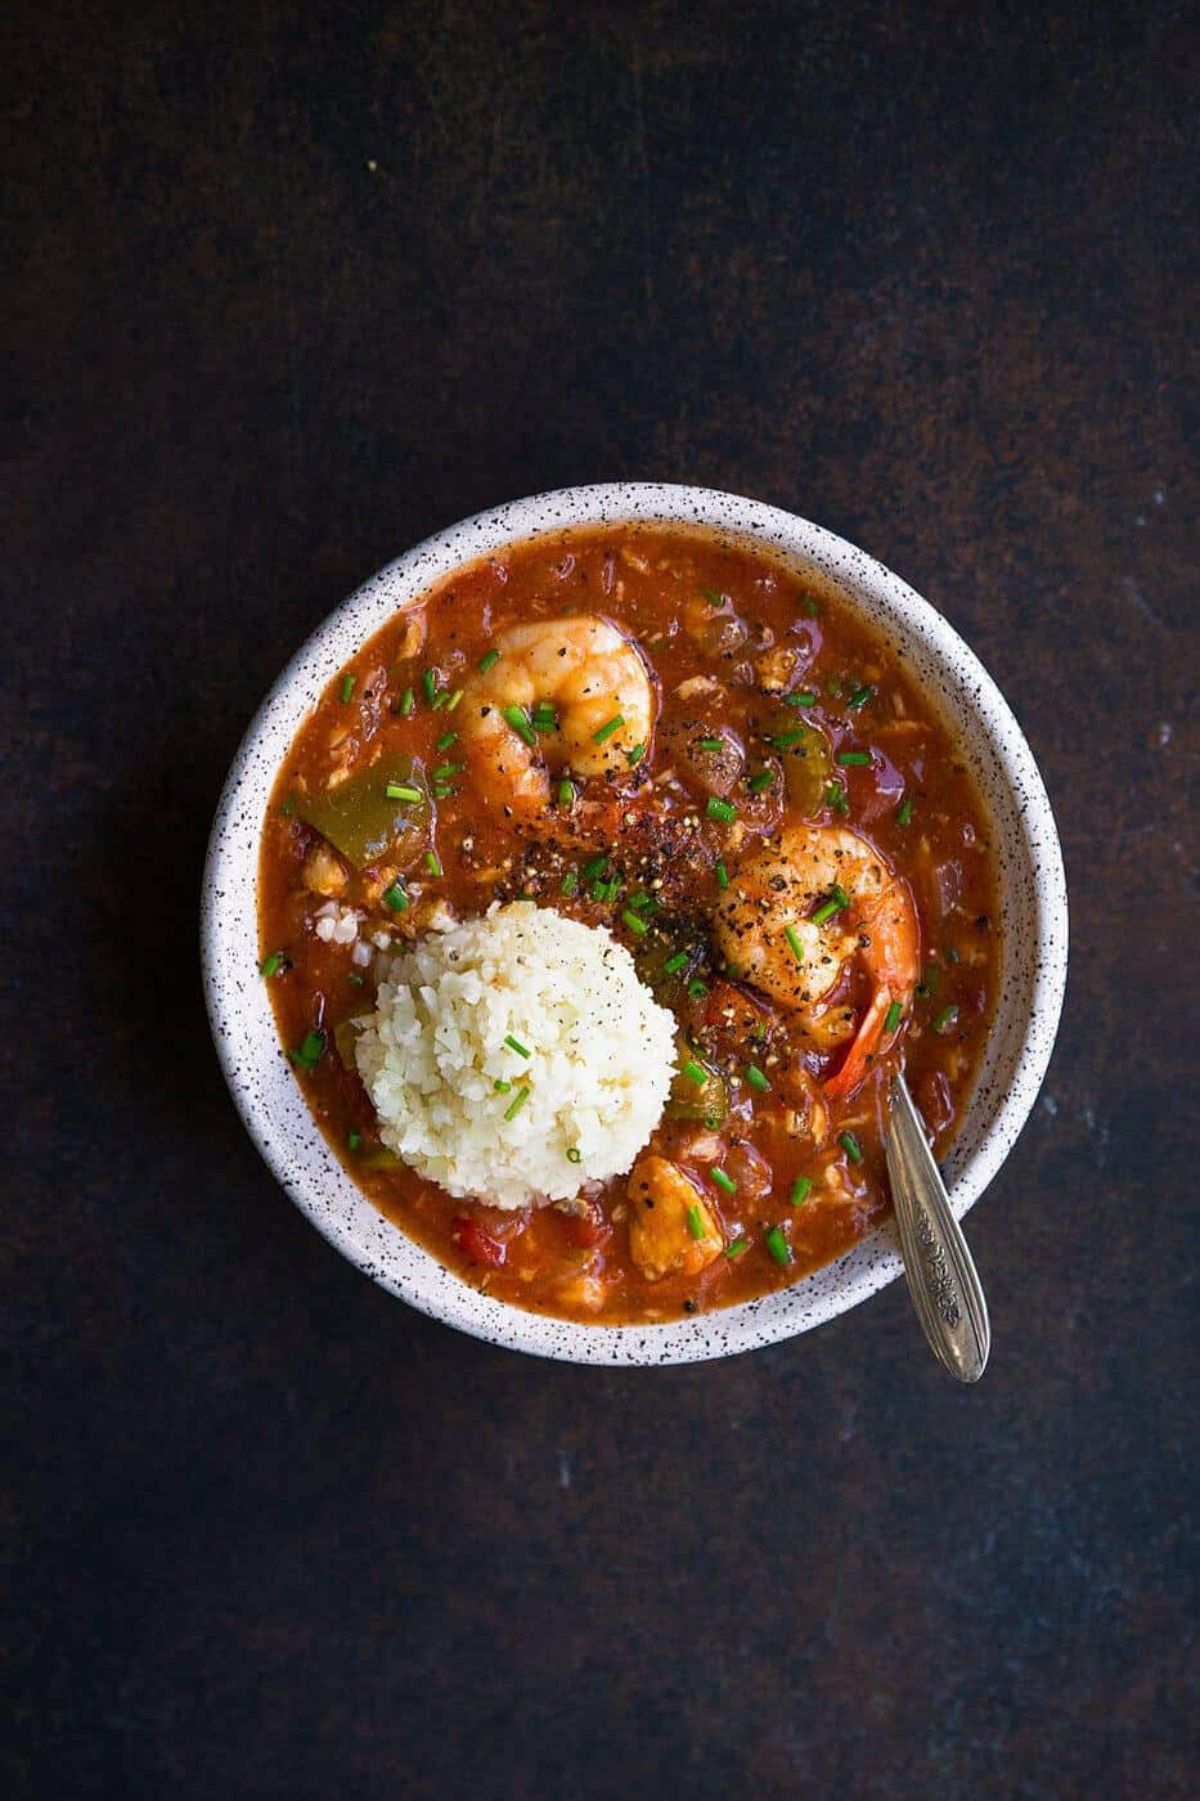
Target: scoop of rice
<point>602,1055</point>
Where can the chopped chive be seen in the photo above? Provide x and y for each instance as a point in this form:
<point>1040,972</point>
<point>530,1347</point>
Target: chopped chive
<point>570,882</point>
<point>895,1014</point>
<point>641,902</point>
<point>454,700</point>
<point>861,696</point>
<point>433,863</point>
<point>488,661</point>
<point>633,757</point>
<point>442,792</point>
<point>395,898</point>
<point>440,699</point>
<point>794,942</point>
<point>713,596</point>
<point>723,1181</point>
<point>674,964</point>
<point>722,874</point>
<point>514,1044</point>
<point>720,809</point>
<point>445,772</point>
<point>594,865</point>
<point>446,740</point>
<point>785,740</point>
<point>347,687</point>
<point>408,702</point>
<point>806,699</point>
<point>606,731</point>
<point>566,794</point>
<point>288,807</point>
<point>904,811</point>
<point>853,759</point>
<point>737,1249</point>
<point>544,718</point>
<point>574,1155</point>
<point>811,607</point>
<point>851,1146</point>
<point>518,718</point>
<point>634,923</point>
<point>762,780</point>
<point>501,1086</point>
<point>694,1073</point>
<point>611,889</point>
<point>946,1018</point>
<point>695,1221</point>
<point>517,1102</point>
<point>777,1244</point>
<point>801,1189</point>
<point>310,1050</point>
<point>399,791</point>
<point>710,743</point>
<point>757,1079</point>
<point>272,964</point>
<point>837,797</point>
<point>353,1140</point>
<point>429,683</point>
<point>837,900</point>
<point>697,989</point>
<point>354,979</point>
<point>839,894</point>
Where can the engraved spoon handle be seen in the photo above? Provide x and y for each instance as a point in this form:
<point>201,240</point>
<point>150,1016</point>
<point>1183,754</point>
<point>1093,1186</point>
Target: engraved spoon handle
<point>942,1278</point>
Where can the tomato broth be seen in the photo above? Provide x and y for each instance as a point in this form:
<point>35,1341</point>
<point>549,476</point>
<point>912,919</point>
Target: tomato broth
<point>795,856</point>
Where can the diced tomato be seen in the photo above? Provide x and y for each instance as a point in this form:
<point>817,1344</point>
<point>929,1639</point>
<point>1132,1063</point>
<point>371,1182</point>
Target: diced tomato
<point>479,1245</point>
<point>734,1019</point>
<point>589,1228</point>
<point>750,1170</point>
<point>934,1100</point>
<point>878,791</point>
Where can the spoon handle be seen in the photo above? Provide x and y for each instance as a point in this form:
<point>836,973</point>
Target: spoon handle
<point>942,1278</point>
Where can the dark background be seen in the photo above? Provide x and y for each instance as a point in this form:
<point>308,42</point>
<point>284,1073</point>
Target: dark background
<point>292,286</point>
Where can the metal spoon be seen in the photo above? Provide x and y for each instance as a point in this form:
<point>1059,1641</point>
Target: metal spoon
<point>942,1279</point>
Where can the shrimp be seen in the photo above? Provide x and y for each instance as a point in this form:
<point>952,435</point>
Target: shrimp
<point>802,908</point>
<point>591,675</point>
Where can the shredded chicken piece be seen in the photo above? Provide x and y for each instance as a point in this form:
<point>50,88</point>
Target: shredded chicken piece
<point>434,914</point>
<point>586,1291</point>
<point>324,871</point>
<point>777,669</point>
<point>665,1207</point>
<point>412,640</point>
<point>701,1147</point>
<point>696,685</point>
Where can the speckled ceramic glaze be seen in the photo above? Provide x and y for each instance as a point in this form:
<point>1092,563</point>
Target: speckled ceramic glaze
<point>1033,909</point>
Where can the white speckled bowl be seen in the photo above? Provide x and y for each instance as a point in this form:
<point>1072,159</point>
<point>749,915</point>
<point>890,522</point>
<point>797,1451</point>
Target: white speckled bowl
<point>1033,906</point>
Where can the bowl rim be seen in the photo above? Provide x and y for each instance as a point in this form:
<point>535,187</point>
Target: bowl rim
<point>440,1294</point>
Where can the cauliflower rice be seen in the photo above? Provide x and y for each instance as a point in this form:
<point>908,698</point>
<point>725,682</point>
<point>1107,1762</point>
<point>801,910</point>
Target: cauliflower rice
<point>602,1057</point>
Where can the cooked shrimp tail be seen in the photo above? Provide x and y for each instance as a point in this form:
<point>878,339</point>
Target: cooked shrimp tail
<point>804,909</point>
<point>598,695</point>
<point>866,1041</point>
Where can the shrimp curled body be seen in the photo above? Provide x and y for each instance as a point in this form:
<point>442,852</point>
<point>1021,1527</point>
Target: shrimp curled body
<point>590,674</point>
<point>802,908</point>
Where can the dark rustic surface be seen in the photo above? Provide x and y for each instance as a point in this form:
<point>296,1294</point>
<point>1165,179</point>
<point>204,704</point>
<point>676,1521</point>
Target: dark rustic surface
<point>295,285</point>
